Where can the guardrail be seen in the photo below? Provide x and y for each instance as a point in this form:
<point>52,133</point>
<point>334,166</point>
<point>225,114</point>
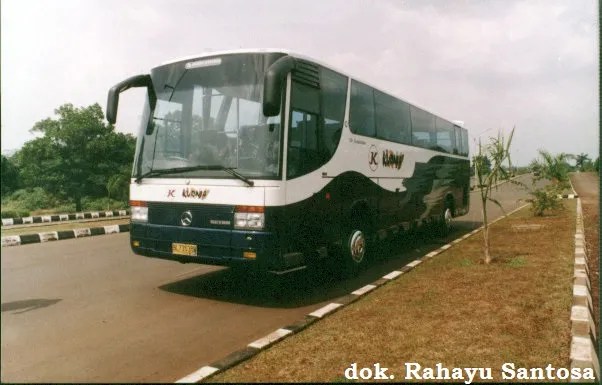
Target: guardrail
<point>63,217</point>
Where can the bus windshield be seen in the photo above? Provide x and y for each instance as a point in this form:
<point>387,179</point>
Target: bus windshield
<point>210,122</point>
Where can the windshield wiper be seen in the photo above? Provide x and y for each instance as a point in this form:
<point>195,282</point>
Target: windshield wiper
<point>178,170</point>
<point>238,175</point>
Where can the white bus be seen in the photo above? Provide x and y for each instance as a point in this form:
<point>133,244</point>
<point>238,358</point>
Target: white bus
<point>274,160</point>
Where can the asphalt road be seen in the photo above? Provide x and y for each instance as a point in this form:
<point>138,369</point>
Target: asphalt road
<point>89,310</point>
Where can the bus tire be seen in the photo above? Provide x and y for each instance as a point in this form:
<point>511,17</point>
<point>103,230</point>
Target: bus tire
<point>446,222</point>
<point>355,249</point>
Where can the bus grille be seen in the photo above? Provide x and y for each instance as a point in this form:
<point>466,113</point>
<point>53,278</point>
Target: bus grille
<point>202,216</point>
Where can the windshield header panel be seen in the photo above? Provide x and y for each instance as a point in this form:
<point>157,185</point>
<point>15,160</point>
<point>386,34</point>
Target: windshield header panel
<point>169,75</point>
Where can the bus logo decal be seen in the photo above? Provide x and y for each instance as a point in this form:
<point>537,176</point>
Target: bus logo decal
<point>191,192</point>
<point>373,158</point>
<point>392,159</point>
<point>186,218</point>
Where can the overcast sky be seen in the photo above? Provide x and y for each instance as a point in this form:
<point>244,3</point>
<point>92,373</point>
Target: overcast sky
<point>492,64</point>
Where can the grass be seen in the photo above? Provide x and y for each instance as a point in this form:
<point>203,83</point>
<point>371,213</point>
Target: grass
<point>451,309</point>
<point>58,226</point>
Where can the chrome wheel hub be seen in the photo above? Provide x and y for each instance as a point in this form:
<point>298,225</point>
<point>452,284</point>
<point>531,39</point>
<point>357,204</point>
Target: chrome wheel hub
<point>357,246</point>
<point>447,217</point>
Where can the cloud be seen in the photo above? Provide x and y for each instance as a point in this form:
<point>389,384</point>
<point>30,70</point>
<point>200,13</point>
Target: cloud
<point>491,63</point>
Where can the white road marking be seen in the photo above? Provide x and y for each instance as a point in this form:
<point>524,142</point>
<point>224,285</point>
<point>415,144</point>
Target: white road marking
<point>270,338</point>
<point>197,376</point>
<point>363,290</point>
<point>321,312</point>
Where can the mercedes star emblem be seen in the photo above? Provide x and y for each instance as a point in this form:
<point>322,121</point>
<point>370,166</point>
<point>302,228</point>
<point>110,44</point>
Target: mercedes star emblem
<point>186,218</point>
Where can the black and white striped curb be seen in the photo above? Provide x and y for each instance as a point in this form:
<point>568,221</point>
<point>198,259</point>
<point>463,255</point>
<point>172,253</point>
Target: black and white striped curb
<point>568,196</point>
<point>583,330</point>
<point>63,217</point>
<point>15,240</point>
<point>280,334</point>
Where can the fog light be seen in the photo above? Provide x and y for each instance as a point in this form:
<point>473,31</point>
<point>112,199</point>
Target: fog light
<point>136,243</point>
<point>249,254</point>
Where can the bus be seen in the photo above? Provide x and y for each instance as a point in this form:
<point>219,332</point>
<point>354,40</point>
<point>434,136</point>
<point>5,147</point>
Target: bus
<point>271,159</point>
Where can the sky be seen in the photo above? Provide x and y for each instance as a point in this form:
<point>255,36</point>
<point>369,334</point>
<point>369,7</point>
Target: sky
<point>494,64</point>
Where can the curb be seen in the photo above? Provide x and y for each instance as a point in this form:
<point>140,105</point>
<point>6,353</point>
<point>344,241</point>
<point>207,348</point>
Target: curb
<point>583,330</point>
<point>568,196</point>
<point>63,217</point>
<point>280,334</point>
<point>16,240</point>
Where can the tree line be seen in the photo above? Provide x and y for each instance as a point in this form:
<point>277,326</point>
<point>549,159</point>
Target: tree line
<point>77,157</point>
<point>563,161</point>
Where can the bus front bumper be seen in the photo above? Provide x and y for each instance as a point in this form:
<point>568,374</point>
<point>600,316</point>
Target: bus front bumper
<point>224,247</point>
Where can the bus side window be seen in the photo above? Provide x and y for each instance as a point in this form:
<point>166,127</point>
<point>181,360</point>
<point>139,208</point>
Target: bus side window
<point>317,115</point>
<point>362,109</point>
<point>423,128</point>
<point>333,87</point>
<point>303,154</point>
<point>458,135</point>
<point>392,118</point>
<point>446,140</point>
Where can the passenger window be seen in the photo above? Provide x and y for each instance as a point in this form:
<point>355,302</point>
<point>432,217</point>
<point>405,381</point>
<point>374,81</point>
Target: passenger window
<point>423,128</point>
<point>362,109</point>
<point>333,87</point>
<point>446,140</point>
<point>465,142</point>
<point>392,118</point>
<point>458,134</point>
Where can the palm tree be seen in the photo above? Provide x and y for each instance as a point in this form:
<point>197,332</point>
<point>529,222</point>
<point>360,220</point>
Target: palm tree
<point>488,174</point>
<point>554,168</point>
<point>581,160</point>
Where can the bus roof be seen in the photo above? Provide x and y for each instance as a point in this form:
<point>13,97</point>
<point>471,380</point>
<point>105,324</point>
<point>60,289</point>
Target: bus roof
<point>308,58</point>
<point>228,52</point>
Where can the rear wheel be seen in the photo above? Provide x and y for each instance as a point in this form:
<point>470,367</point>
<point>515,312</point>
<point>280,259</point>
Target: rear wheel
<point>446,221</point>
<point>355,248</point>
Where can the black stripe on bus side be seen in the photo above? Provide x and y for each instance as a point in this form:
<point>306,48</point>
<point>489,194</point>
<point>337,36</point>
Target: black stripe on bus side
<point>323,218</point>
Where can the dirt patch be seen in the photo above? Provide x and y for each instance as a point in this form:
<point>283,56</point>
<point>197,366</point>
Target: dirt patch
<point>530,227</point>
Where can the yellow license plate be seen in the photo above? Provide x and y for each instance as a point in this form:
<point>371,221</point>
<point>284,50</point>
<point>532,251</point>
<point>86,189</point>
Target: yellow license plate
<point>184,249</point>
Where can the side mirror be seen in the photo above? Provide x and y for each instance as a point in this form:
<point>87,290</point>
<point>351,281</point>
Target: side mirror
<point>272,84</point>
<point>134,81</point>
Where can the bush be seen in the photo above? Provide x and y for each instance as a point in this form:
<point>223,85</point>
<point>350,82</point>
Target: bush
<point>14,213</point>
<point>101,204</point>
<point>33,199</point>
<point>36,201</point>
<point>545,199</point>
<point>61,208</point>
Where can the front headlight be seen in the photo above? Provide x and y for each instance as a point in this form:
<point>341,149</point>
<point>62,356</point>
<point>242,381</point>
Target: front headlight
<point>139,214</point>
<point>249,217</point>
<point>249,221</point>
